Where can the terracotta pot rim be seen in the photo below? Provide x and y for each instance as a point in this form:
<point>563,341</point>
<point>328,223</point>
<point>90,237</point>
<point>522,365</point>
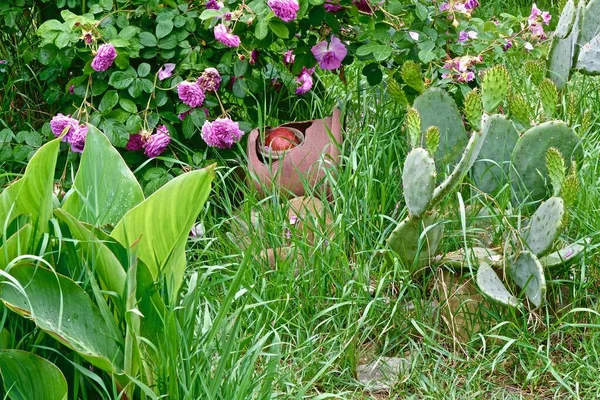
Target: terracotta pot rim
<point>268,153</point>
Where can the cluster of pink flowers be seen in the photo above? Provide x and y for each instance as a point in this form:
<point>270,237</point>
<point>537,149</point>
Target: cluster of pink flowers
<point>153,145</point>
<point>304,80</point>
<point>460,68</point>
<point>461,7</point>
<point>286,10</point>
<point>536,21</point>
<point>221,133</point>
<point>194,93</point>
<point>105,56</point>
<point>74,132</point>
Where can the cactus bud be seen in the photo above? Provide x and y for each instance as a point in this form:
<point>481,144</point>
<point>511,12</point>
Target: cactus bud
<point>535,69</point>
<point>432,139</point>
<point>494,87</point>
<point>413,127</point>
<point>519,109</point>
<point>549,97</point>
<point>412,76</point>
<point>555,163</point>
<point>396,92</point>
<point>570,186</point>
<point>474,109</point>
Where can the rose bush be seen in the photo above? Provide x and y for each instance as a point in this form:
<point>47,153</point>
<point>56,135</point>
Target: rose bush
<point>130,66</point>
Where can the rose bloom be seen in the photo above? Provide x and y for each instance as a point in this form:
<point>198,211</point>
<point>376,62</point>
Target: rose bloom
<point>158,142</point>
<point>284,9</point>
<point>304,80</point>
<point>209,80</point>
<point>166,71</point>
<point>190,93</point>
<point>59,122</point>
<point>105,56</point>
<point>330,55</point>
<point>77,139</point>
<point>221,133</point>
<point>223,34</point>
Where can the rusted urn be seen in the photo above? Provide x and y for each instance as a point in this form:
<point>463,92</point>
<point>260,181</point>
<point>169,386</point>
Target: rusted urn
<point>299,159</point>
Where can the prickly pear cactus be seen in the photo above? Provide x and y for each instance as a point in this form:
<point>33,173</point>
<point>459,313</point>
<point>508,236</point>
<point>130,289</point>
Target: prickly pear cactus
<point>474,109</point>
<point>549,97</point>
<point>566,20</point>
<point>570,186</point>
<point>396,91</point>
<point>418,181</point>
<point>527,272</point>
<point>432,139</point>
<point>494,88</point>
<point>407,243</point>
<point>564,256</point>
<point>565,44</point>
<point>545,227</point>
<point>519,110</point>
<point>589,57</point>
<point>492,286</point>
<point>529,174</point>
<point>535,70</point>
<point>412,76</point>
<point>492,168</point>
<point>413,127</point>
<point>555,164</point>
<point>437,108</point>
<point>590,23</point>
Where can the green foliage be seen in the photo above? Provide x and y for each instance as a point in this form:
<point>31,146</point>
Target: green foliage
<point>494,88</point>
<point>31,377</point>
<point>473,109</point>
<point>412,76</point>
<point>555,164</point>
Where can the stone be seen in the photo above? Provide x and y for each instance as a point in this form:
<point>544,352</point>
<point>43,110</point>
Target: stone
<point>381,374</point>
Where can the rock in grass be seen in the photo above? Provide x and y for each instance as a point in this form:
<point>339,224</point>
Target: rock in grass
<point>382,374</point>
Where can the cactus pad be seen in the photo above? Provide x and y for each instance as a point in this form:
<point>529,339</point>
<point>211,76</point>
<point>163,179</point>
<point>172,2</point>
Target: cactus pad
<point>589,57</point>
<point>566,20</point>
<point>396,92</point>
<point>413,127</point>
<point>555,164</point>
<point>519,110</point>
<point>418,181</point>
<point>457,259</point>
<point>527,272</point>
<point>590,22</point>
<point>564,256</point>
<point>404,240</point>
<point>491,286</point>
<point>564,50</point>
<point>437,108</point>
<point>494,87</point>
<point>536,70</point>
<point>545,227</point>
<point>570,187</point>
<point>492,168</point>
<point>467,160</point>
<point>548,96</point>
<point>432,139</point>
<point>412,76</point>
<point>474,109</point>
<point>529,173</point>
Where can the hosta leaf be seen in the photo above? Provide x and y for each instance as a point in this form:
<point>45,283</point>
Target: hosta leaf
<point>15,245</point>
<point>64,310</point>
<point>161,225</point>
<point>29,377</point>
<point>105,188</point>
<point>106,264</point>
<point>32,194</point>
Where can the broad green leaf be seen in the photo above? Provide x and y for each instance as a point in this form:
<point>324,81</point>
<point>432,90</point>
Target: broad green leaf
<point>105,189</point>
<point>120,80</point>
<point>261,30</point>
<point>32,194</point>
<point>109,100</point>
<point>15,245</point>
<point>29,377</point>
<point>279,28</point>
<point>163,28</point>
<point>162,224</point>
<point>62,309</point>
<point>96,252</point>
<point>147,39</point>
